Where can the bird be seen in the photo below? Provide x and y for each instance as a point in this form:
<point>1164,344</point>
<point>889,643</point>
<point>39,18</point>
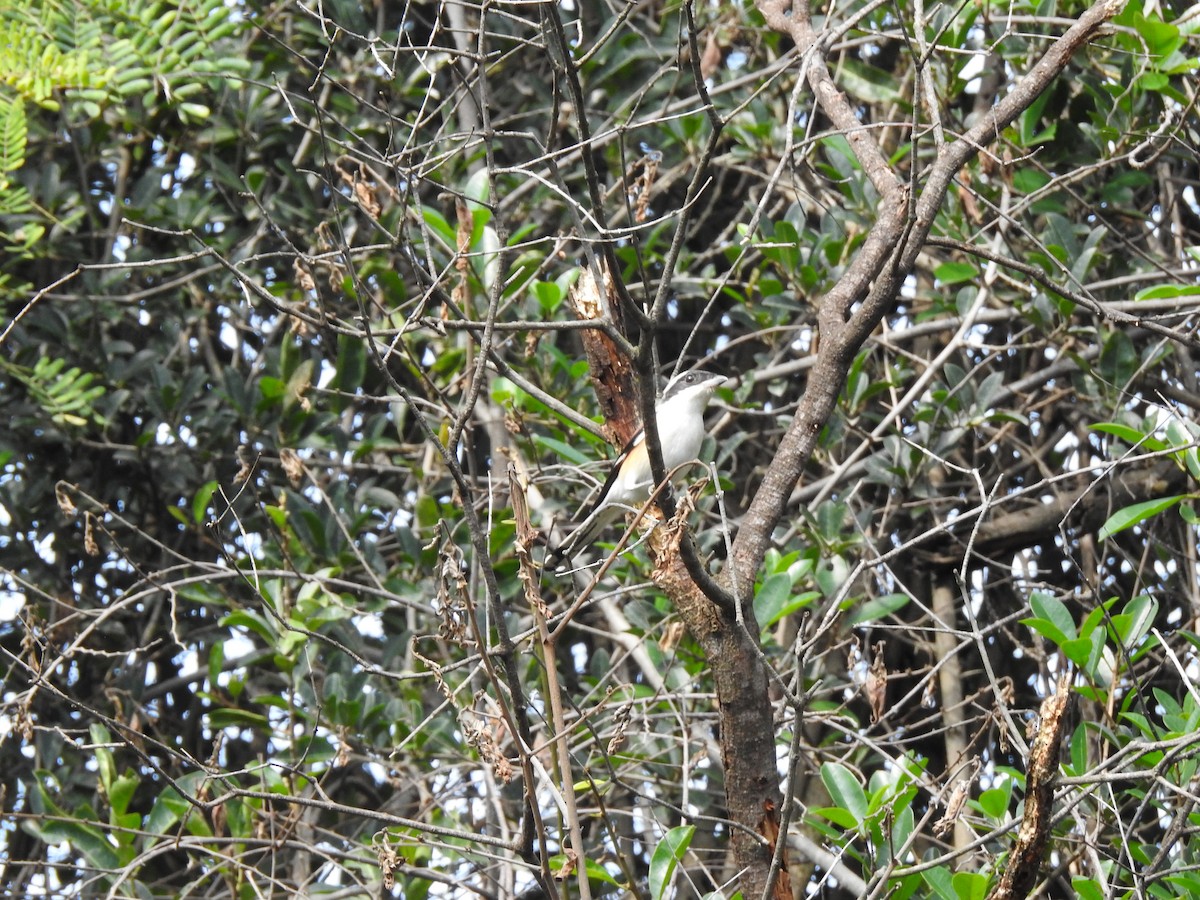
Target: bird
<point>680,418</point>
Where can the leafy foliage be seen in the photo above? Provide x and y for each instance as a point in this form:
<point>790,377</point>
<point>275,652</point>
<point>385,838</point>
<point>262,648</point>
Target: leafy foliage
<point>289,289</point>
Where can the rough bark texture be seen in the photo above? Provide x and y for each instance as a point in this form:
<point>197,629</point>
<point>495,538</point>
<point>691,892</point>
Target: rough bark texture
<point>1025,860</point>
<point>747,731</point>
<point>612,370</point>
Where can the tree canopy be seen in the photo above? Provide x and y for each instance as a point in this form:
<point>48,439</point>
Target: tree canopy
<point>322,320</point>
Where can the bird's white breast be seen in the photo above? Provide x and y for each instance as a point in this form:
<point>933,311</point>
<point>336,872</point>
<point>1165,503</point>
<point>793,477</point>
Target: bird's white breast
<point>681,443</point>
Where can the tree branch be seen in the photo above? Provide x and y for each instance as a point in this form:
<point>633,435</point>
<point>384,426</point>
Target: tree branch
<point>843,327</point>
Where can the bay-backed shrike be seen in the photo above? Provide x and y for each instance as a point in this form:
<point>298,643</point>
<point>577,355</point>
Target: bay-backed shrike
<point>680,418</point>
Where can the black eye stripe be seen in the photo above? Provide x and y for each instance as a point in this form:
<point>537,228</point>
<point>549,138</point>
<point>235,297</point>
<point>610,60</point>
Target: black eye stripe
<point>692,379</point>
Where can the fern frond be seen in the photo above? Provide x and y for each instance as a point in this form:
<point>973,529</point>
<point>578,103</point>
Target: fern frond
<point>66,397</point>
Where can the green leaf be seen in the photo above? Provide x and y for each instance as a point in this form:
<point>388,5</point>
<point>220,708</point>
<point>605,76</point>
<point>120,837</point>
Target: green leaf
<point>55,826</point>
<point>1142,724</point>
<point>548,294</point>
<point>868,83</point>
<point>121,791</point>
<point>299,382</point>
<point>840,817</point>
<point>905,887</point>
<point>193,112</point>
<point>955,273</point>
<point>13,133</point>
<point>1135,620</point>
<point>1119,359</point>
<point>941,881</point>
<point>1161,37</point>
<point>1079,749</point>
<point>478,186</point>
<point>775,599</point>
<point>1130,436</point>
<point>238,718</point>
<point>1136,514</point>
<point>1028,180</point>
<point>106,767</point>
<point>1097,617</point>
<point>350,370</point>
<point>1085,652</point>
<point>879,608</point>
<point>1053,620</point>
<point>1187,884</point>
<point>667,854</point>
<point>1167,292</point>
<point>201,500</point>
<point>845,790</point>
<point>216,660</point>
<point>86,839</point>
<point>1030,120</point>
<point>905,822</point>
<point>970,885</point>
<point>994,801</point>
<point>271,389</point>
<point>562,450</point>
<point>251,621</point>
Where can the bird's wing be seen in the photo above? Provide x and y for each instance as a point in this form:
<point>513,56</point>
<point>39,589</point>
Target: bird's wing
<point>614,472</point>
<point>594,517</point>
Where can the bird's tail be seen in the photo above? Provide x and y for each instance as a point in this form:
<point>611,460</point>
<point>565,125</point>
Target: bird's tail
<point>583,536</point>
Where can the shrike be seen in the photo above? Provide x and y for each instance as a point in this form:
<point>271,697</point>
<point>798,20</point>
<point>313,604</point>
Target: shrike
<point>680,417</point>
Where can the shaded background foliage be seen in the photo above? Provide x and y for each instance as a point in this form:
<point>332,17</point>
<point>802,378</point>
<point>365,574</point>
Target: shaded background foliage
<point>249,255</point>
